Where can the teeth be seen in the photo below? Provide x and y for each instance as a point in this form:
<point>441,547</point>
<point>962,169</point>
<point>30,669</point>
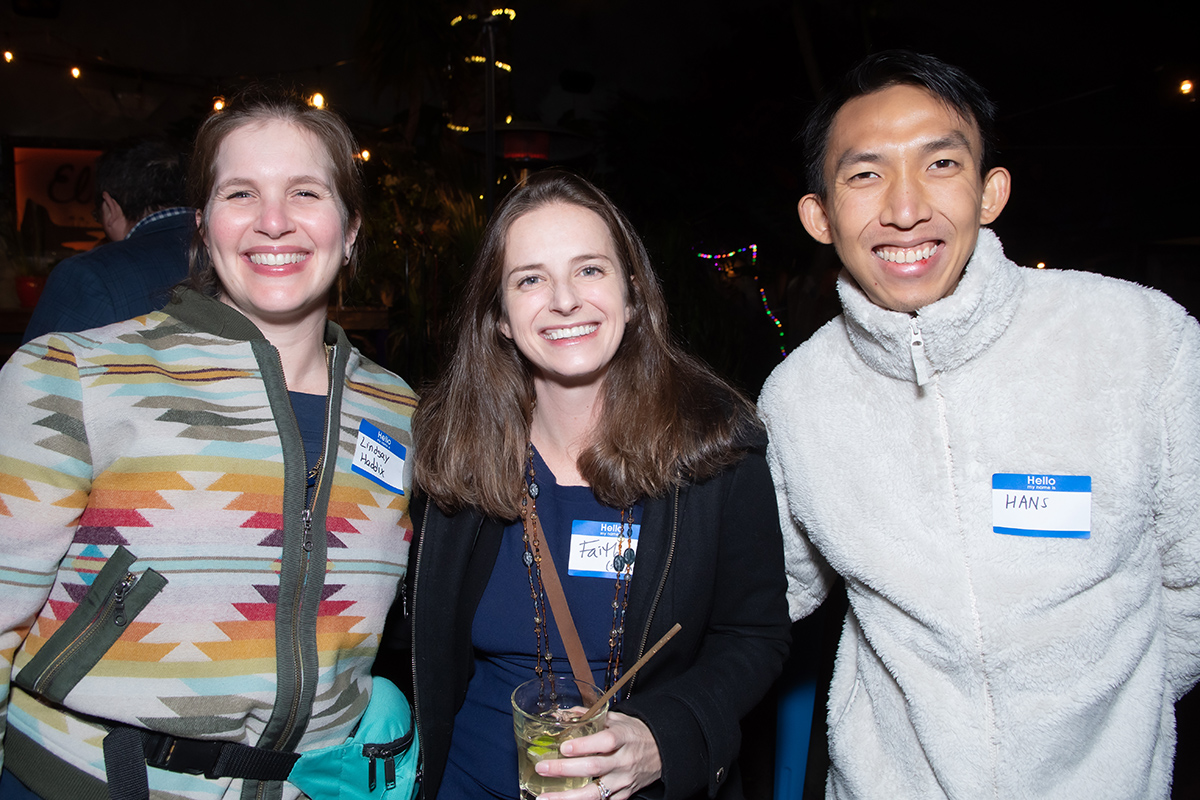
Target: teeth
<point>276,259</point>
<point>907,256</point>
<point>569,333</point>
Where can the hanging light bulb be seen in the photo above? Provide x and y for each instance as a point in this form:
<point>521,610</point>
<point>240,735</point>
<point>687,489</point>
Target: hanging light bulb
<point>8,56</point>
<point>75,72</point>
<point>317,100</point>
<point>218,103</point>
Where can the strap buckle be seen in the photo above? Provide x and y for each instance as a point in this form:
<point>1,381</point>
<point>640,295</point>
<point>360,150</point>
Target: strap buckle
<point>192,756</point>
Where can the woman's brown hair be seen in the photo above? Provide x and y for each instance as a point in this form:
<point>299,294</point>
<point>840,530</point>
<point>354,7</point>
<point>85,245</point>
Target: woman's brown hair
<point>257,105</point>
<point>666,416</point>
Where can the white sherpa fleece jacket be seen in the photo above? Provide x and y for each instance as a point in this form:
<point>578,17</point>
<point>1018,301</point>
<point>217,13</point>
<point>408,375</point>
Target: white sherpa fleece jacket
<point>976,664</point>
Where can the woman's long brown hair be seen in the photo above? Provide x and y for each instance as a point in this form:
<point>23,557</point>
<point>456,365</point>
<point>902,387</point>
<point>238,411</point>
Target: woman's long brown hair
<point>666,416</point>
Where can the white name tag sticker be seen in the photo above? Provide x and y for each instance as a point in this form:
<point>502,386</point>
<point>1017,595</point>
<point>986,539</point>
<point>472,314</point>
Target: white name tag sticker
<point>379,457</point>
<point>599,551</point>
<point>1056,506</point>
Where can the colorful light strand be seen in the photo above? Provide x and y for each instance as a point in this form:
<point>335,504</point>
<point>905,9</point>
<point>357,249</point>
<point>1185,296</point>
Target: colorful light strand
<point>762,294</point>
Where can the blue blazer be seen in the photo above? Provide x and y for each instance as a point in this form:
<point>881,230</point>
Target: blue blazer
<point>115,281</point>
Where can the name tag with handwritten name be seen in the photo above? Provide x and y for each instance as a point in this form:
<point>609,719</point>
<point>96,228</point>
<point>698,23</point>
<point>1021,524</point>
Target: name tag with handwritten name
<point>379,457</point>
<point>599,551</point>
<point>1056,506</point>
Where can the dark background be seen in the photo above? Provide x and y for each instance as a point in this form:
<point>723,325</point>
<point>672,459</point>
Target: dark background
<point>686,113</point>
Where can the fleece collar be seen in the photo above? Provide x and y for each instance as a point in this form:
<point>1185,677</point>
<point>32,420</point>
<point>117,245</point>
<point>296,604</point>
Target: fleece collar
<point>950,332</point>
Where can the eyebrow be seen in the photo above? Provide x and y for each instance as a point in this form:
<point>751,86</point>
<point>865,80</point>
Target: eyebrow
<point>298,179</point>
<point>574,260</point>
<point>954,140</point>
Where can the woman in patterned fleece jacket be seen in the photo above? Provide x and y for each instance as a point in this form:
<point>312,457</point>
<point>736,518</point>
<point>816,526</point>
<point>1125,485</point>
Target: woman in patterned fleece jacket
<point>173,557</point>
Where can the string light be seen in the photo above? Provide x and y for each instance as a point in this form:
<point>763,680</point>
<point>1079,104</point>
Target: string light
<point>1040,265</point>
<point>75,72</point>
<point>496,12</point>
<point>762,294</point>
<point>508,120</point>
<point>218,103</point>
<point>1187,87</point>
<point>365,155</point>
<point>8,56</point>
<point>317,100</point>
<point>458,128</point>
<point>482,60</point>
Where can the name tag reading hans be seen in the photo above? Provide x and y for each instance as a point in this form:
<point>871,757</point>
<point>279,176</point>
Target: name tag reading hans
<point>379,457</point>
<point>1056,506</point>
<point>599,551</point>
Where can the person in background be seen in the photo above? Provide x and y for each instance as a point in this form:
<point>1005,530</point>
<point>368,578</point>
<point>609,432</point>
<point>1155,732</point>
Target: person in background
<point>140,202</point>
<point>1003,463</point>
<point>565,378</point>
<point>205,510</point>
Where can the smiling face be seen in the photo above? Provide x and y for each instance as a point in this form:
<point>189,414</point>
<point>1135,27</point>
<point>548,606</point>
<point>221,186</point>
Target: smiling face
<point>274,227</point>
<point>905,197</point>
<point>564,297</point>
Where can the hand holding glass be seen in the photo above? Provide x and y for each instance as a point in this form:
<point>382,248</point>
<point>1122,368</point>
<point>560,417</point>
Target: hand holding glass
<point>548,711</point>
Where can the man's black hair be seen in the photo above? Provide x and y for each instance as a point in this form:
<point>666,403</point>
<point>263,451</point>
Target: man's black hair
<point>898,68</point>
<point>142,175</point>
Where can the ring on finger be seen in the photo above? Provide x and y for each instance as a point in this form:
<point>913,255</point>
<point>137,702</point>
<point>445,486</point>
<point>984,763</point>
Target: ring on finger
<point>605,792</point>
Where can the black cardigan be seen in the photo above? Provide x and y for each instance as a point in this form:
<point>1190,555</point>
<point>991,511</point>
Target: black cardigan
<point>710,556</point>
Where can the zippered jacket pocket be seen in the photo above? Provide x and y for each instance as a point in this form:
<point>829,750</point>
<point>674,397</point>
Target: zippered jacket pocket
<point>115,598</point>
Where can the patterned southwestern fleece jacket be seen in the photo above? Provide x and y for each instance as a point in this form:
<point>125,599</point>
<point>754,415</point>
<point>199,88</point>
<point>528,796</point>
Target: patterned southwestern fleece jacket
<point>975,664</point>
<point>167,445</point>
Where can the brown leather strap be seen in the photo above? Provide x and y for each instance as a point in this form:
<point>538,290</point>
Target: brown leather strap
<point>558,604</point>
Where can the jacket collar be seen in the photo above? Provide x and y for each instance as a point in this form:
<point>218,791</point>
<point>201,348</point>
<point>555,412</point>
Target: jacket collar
<point>951,331</point>
<point>210,315</point>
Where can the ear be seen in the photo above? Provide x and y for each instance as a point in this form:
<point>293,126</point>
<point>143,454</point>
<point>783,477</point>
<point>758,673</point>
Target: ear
<point>814,218</point>
<point>629,297</point>
<point>504,328</point>
<point>199,220</point>
<point>996,186</point>
<point>351,237</point>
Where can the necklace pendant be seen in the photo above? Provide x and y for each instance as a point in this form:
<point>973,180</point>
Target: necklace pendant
<point>527,557</point>
<point>533,489</point>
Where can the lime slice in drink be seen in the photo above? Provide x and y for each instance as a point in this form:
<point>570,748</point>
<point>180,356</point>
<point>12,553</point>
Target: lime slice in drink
<point>541,748</point>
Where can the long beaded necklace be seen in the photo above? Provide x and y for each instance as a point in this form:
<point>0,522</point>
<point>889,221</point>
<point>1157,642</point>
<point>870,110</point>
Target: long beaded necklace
<point>622,565</point>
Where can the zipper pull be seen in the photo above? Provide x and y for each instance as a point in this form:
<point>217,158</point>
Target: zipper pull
<point>389,772</point>
<point>119,595</point>
<point>307,517</point>
<point>920,361</point>
<point>371,775</point>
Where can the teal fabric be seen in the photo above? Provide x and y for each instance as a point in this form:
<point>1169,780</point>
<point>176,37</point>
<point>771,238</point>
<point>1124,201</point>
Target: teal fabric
<point>344,772</point>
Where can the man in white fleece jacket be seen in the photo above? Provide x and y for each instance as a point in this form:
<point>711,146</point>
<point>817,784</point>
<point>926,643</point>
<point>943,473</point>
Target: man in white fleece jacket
<point>1003,463</point>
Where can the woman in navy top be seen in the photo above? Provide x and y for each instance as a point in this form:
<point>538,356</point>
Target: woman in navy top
<point>654,499</point>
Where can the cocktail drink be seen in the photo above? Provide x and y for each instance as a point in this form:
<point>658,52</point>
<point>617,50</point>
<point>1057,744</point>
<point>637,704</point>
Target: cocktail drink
<point>547,712</point>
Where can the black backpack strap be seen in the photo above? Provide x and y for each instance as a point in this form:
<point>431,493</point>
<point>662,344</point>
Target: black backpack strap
<point>128,751</point>
<point>125,765</point>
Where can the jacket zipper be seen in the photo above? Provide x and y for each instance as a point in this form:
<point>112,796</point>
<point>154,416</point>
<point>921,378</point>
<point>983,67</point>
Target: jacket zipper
<point>989,703</point>
<point>920,359</point>
<point>114,608</point>
<point>412,637</point>
<point>662,584</point>
<point>307,544</point>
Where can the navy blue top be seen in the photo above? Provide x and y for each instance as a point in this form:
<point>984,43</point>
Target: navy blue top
<point>310,417</point>
<point>483,754</point>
